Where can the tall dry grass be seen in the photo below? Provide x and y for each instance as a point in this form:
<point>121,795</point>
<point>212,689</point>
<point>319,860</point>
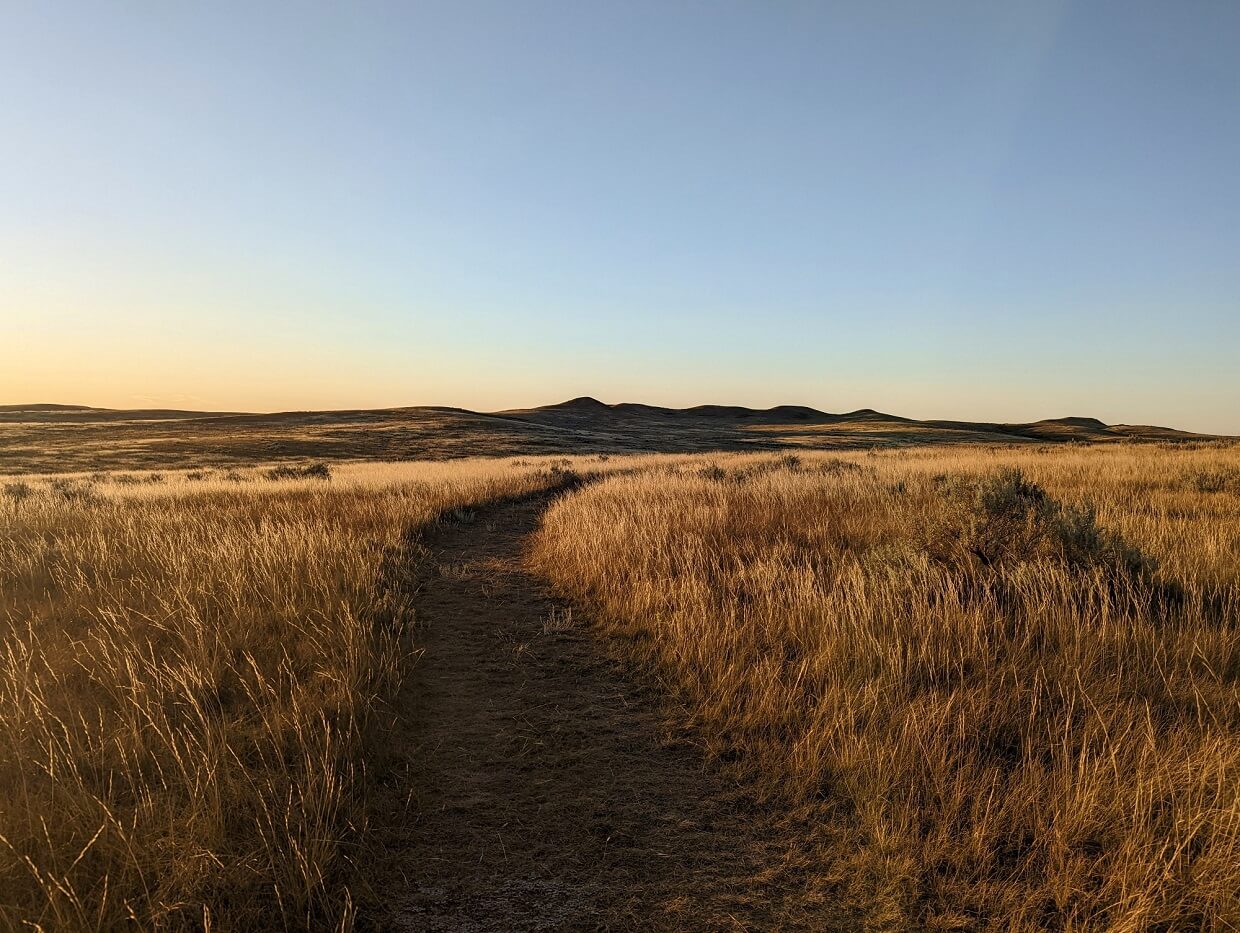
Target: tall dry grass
<point>1008,700</point>
<point>189,665</point>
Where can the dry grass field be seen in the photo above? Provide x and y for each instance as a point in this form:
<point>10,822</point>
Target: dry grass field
<point>190,666</point>
<point>984,687</point>
<point>1000,687</point>
<point>57,438</point>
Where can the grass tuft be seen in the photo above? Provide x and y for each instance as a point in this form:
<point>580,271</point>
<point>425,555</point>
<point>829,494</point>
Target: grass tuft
<point>307,471</point>
<point>1004,518</point>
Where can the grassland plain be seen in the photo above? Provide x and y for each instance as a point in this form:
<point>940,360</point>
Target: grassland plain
<point>1009,709</point>
<point>46,438</point>
<point>191,671</point>
<point>1008,681</point>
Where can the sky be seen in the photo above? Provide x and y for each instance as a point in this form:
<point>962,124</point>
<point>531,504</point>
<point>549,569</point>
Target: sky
<point>988,211</point>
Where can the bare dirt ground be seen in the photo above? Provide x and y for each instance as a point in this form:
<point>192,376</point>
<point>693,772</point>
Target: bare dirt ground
<point>538,786</point>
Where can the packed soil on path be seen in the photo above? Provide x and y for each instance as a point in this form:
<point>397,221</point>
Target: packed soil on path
<point>536,785</point>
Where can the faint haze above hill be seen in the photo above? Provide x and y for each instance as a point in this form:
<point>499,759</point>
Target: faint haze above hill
<point>994,212</point>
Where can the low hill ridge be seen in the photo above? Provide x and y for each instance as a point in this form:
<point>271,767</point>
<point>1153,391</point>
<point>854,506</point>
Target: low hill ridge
<point>1075,422</point>
<point>58,438</point>
<point>581,403</point>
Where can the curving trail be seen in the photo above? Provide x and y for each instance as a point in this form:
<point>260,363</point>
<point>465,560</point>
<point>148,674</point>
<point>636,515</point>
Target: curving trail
<point>537,786</point>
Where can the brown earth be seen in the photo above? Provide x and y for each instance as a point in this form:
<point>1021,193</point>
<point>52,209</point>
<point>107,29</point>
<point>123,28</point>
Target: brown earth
<point>538,785</point>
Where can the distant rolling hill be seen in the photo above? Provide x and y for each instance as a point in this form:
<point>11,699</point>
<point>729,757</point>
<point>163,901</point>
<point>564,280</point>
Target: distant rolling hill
<point>47,437</point>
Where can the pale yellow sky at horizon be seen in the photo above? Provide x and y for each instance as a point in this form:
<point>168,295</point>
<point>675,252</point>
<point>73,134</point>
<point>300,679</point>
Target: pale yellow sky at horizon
<point>165,345</point>
<point>123,371</point>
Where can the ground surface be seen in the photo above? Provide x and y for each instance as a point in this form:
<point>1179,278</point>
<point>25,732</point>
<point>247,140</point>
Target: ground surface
<point>63,439</point>
<point>538,787</point>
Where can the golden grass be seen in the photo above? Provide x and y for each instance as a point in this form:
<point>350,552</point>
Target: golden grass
<point>188,669</point>
<point>999,715</point>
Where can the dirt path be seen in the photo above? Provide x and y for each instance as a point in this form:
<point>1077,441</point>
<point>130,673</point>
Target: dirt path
<point>536,789</point>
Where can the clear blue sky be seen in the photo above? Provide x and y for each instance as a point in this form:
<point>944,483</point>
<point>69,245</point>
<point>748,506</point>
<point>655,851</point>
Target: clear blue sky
<point>973,210</point>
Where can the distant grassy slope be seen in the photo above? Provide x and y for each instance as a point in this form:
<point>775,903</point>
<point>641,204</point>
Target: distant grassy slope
<point>42,438</point>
